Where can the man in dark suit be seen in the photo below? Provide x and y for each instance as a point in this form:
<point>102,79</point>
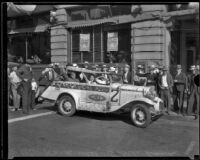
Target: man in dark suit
<point>25,73</point>
<point>165,82</point>
<point>194,91</point>
<point>127,75</point>
<point>180,83</point>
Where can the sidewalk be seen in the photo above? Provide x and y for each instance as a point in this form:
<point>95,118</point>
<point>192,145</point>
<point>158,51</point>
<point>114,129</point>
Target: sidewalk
<point>40,108</point>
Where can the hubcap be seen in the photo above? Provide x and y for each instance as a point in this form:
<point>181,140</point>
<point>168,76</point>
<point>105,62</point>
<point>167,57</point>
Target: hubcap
<point>139,116</point>
<point>67,106</point>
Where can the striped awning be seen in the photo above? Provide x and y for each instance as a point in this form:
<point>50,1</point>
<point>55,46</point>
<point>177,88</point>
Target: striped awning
<point>80,24</point>
<point>38,28</point>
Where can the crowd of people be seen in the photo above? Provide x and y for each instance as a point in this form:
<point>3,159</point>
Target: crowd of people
<point>23,85</point>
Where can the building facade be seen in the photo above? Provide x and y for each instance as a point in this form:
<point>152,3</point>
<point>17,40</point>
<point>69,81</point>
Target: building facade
<point>135,34</point>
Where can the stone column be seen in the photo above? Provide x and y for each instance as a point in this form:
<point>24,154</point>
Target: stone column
<point>59,39</point>
<point>150,39</point>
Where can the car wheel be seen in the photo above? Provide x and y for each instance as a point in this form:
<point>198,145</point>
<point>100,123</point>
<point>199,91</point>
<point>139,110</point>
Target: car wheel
<point>140,115</point>
<point>66,106</point>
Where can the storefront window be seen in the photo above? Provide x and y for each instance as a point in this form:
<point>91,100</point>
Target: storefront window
<point>123,53</point>
<point>33,48</point>
<point>94,53</point>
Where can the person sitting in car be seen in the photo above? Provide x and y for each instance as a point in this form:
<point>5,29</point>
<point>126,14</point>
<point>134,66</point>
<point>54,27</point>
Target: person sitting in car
<point>92,79</point>
<point>73,77</point>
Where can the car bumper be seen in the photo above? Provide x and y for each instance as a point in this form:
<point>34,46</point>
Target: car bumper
<point>156,114</point>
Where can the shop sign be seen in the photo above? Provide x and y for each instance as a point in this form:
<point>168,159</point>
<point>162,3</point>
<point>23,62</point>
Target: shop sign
<point>112,41</point>
<point>84,42</point>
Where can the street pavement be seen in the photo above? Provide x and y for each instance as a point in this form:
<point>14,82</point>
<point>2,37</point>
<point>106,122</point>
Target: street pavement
<point>46,133</point>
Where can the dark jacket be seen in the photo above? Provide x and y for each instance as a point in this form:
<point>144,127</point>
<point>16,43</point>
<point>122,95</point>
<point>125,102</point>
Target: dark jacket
<point>181,83</point>
<point>25,73</point>
<point>169,82</point>
<point>45,80</point>
<point>191,85</point>
<point>128,77</point>
<point>151,79</point>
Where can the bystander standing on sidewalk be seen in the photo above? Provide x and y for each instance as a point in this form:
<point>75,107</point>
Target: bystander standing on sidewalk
<point>165,82</point>
<point>194,91</point>
<point>180,83</point>
<point>15,83</point>
<point>25,73</point>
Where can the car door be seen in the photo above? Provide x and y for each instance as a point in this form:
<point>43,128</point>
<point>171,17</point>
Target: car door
<point>98,98</point>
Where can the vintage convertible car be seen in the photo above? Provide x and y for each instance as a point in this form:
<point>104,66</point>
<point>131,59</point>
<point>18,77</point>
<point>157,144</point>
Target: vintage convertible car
<point>140,101</point>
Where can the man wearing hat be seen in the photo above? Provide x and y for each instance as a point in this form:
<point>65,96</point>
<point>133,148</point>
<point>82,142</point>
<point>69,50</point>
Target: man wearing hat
<point>165,82</point>
<point>180,83</point>
<point>159,73</point>
<point>25,74</point>
<point>104,69</point>
<point>126,75</point>
<point>194,91</point>
<point>151,77</point>
<point>140,78</point>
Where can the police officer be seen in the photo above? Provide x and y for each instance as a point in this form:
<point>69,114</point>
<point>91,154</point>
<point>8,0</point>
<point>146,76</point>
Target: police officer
<point>180,83</point>
<point>194,91</point>
<point>25,73</point>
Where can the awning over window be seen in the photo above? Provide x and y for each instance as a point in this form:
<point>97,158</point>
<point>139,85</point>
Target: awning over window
<point>78,24</point>
<point>38,28</point>
<point>20,10</point>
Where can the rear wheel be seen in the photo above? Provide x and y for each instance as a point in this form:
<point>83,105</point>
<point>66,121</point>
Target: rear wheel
<point>140,115</point>
<point>66,106</point>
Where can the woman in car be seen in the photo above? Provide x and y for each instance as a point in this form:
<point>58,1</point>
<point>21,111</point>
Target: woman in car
<point>92,79</point>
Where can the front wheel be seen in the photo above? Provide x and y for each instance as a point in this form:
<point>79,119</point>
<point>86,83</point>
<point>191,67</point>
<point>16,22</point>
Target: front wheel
<point>66,106</point>
<point>140,115</point>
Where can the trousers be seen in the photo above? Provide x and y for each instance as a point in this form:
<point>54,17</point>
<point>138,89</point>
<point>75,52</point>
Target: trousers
<point>191,103</point>
<point>33,99</point>
<point>26,96</point>
<point>165,96</point>
<point>16,97</point>
<point>179,99</point>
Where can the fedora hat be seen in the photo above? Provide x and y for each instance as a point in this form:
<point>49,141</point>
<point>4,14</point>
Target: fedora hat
<point>126,66</point>
<point>192,67</point>
<point>112,69</point>
<point>164,68</point>
<point>178,66</point>
<point>140,66</point>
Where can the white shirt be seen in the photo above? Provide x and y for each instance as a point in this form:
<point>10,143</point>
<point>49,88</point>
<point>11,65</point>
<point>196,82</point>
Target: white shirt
<point>125,77</point>
<point>14,78</point>
<point>164,81</point>
<point>34,86</point>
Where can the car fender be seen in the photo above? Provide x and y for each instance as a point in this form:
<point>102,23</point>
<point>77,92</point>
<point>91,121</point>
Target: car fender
<point>71,94</point>
<point>142,100</point>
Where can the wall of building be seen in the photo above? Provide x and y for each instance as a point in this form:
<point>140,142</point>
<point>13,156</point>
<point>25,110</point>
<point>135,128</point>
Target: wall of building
<point>60,39</point>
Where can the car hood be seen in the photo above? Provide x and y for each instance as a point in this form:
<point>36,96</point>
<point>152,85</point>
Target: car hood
<point>129,87</point>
